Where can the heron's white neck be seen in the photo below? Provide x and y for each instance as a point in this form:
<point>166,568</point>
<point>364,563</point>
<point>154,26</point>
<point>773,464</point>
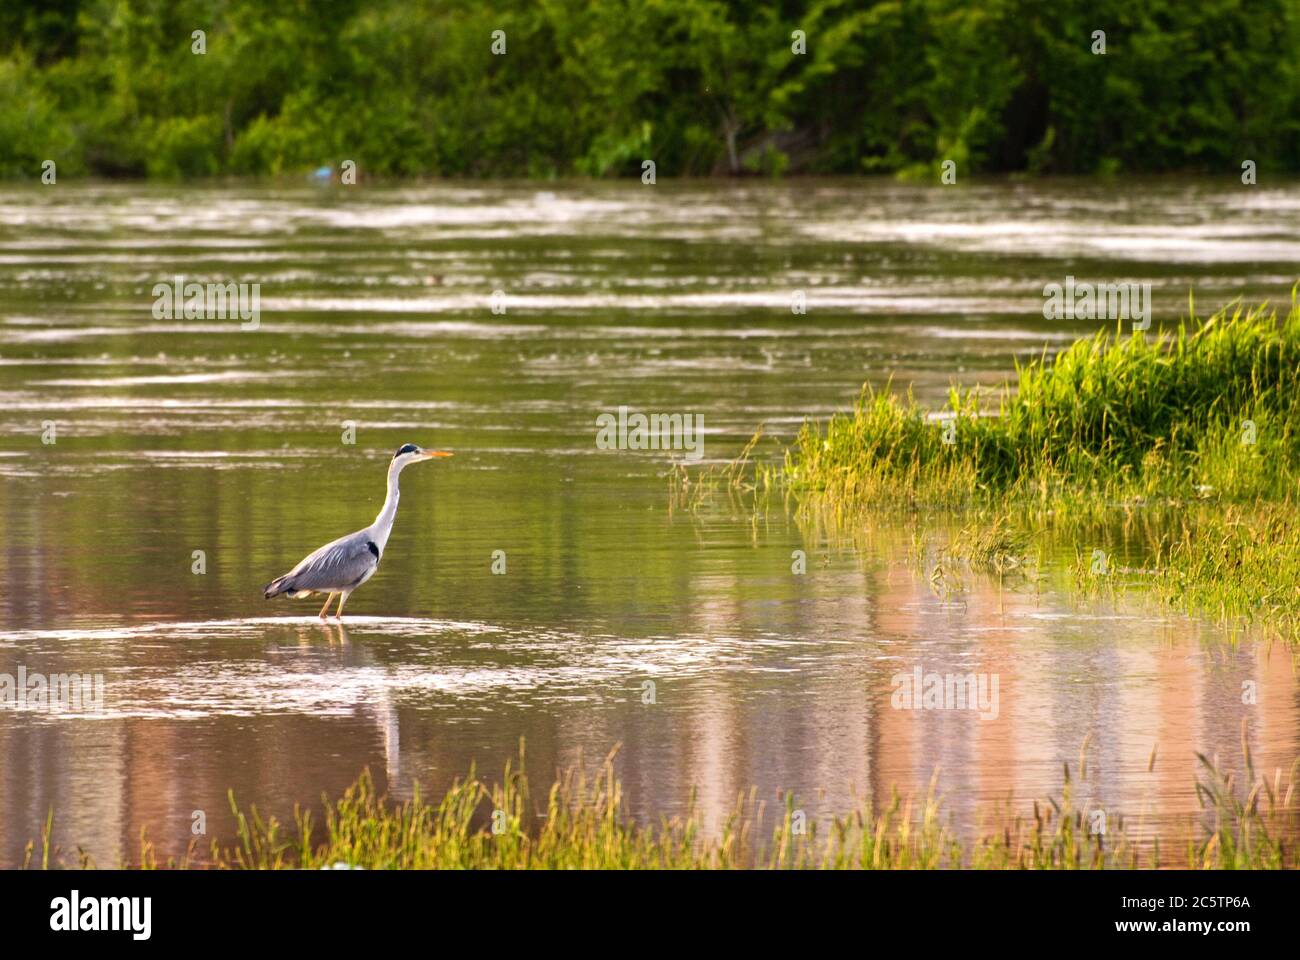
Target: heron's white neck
<point>383,525</point>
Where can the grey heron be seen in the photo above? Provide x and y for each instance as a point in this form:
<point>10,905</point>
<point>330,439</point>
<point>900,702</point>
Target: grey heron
<point>344,564</point>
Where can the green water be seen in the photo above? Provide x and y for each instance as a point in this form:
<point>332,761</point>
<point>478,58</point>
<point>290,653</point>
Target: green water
<point>172,436</point>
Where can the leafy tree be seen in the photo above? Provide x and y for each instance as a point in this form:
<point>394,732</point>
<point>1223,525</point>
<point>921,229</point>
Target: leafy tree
<point>594,87</point>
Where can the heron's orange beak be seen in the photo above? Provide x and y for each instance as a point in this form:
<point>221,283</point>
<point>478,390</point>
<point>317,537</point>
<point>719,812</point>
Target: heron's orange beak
<point>430,454</point>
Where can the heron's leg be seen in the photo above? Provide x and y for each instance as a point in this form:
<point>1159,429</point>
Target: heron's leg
<point>328,598</point>
<point>343,598</point>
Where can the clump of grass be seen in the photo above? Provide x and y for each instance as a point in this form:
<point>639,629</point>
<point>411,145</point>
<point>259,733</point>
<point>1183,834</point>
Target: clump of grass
<point>1198,429</point>
<point>993,546</point>
<point>739,478</point>
<point>1254,829</point>
<point>887,450</point>
<point>1213,404</point>
<point>1237,561</point>
<point>996,547</point>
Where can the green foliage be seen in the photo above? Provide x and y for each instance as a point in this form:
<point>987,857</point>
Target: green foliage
<point>1189,441</point>
<point>1215,404</point>
<point>594,87</point>
<point>28,122</point>
<point>582,823</point>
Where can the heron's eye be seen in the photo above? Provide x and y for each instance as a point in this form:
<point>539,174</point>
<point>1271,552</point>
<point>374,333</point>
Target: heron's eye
<point>406,448</point>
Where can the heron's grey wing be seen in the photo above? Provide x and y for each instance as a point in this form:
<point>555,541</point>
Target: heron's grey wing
<point>337,565</point>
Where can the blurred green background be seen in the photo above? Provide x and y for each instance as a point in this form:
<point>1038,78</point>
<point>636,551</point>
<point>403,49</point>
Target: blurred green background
<point>594,87</point>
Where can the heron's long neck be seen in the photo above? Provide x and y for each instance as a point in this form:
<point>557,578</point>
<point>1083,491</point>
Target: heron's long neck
<point>383,524</point>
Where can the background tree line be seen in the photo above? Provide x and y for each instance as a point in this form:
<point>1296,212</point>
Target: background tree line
<point>594,87</point>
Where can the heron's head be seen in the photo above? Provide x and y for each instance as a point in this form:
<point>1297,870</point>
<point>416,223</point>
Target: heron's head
<point>409,453</point>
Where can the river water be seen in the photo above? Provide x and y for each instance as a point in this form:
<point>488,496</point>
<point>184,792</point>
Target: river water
<point>156,471</point>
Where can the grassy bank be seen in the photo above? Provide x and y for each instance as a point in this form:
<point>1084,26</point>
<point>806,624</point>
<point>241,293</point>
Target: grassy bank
<point>580,822</point>
<point>1211,408</point>
<point>1188,442</point>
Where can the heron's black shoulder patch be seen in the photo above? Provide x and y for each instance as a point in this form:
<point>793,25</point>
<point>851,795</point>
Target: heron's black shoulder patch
<point>406,448</point>
<point>373,548</point>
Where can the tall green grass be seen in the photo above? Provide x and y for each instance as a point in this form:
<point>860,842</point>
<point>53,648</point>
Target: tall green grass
<point>1213,405</point>
<point>1196,431</point>
<point>580,822</point>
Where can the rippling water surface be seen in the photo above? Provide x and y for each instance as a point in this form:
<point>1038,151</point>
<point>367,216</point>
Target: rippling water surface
<point>176,436</point>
